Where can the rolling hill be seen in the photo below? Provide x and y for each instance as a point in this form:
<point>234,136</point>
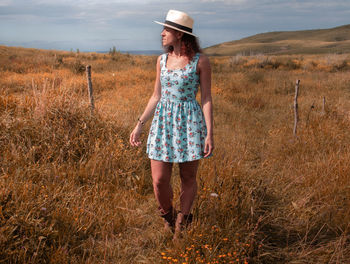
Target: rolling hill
<point>333,40</point>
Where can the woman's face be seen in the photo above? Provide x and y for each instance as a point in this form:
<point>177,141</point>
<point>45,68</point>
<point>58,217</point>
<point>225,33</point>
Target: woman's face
<point>170,36</point>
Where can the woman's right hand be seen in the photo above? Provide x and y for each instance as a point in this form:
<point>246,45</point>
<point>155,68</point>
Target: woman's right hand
<point>135,136</point>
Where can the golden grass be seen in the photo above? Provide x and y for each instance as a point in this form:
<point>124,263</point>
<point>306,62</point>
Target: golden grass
<point>72,190</point>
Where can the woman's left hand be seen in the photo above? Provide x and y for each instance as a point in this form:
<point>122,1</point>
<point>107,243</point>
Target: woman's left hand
<point>209,146</point>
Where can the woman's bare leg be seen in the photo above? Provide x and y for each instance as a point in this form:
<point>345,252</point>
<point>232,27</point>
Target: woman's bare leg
<point>188,171</point>
<point>161,175</point>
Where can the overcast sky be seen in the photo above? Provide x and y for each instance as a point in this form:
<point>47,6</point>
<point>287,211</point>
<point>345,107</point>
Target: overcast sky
<point>97,25</point>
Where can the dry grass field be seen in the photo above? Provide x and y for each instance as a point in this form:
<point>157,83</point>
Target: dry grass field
<point>72,190</point>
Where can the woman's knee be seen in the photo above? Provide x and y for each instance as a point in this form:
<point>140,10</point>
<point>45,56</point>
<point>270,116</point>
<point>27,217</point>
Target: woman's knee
<point>188,177</point>
<point>188,180</point>
<point>188,172</point>
<point>161,173</point>
<point>160,181</point>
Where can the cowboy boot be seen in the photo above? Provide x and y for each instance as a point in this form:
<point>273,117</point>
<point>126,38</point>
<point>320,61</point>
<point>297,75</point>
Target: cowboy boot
<point>169,219</point>
<point>182,222</point>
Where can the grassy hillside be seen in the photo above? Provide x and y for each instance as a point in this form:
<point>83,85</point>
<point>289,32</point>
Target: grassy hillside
<point>334,40</point>
<point>73,190</point>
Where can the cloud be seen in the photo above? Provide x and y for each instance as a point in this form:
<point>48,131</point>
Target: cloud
<point>229,2</point>
<point>5,2</point>
<point>130,21</point>
<point>88,12</point>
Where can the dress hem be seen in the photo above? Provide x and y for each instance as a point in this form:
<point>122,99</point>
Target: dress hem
<point>177,161</point>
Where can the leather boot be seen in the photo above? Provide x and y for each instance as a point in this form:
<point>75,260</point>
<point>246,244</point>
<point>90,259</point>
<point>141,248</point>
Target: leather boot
<point>169,219</point>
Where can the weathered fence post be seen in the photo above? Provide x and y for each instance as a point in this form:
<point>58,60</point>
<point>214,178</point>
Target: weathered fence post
<point>308,114</point>
<point>296,116</point>
<point>91,96</point>
<point>324,105</point>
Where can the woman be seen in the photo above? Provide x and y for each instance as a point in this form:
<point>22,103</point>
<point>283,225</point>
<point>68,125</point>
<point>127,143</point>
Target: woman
<point>181,132</point>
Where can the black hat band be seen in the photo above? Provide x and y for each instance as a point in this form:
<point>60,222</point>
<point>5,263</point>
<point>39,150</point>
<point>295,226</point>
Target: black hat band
<point>178,26</point>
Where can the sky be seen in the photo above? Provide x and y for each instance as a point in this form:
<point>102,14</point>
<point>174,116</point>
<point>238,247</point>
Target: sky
<point>98,25</point>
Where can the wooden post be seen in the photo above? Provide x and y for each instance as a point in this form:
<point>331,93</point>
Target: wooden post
<point>324,105</point>
<point>308,114</point>
<point>296,116</point>
<point>91,96</point>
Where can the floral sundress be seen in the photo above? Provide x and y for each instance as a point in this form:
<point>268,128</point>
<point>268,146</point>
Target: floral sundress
<point>178,129</point>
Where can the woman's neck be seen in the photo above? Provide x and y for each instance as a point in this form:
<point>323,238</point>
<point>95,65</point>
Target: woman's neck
<point>177,50</point>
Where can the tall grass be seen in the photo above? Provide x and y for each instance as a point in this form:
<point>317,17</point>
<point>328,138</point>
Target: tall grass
<point>72,190</point>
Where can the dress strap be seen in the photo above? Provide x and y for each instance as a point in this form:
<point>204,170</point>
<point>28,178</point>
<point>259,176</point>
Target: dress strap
<point>163,60</point>
<point>195,60</point>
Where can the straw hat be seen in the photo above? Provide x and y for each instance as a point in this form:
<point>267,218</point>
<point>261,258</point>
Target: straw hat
<point>179,21</point>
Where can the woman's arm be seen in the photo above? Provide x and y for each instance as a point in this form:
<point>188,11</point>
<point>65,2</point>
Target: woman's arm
<point>206,99</point>
<point>149,110</point>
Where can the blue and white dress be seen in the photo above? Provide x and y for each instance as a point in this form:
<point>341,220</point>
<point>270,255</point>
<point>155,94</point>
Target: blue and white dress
<point>178,129</point>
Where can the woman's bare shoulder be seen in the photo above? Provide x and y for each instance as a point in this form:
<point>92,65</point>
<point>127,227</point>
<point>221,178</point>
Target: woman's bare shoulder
<point>159,59</point>
<point>203,60</point>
